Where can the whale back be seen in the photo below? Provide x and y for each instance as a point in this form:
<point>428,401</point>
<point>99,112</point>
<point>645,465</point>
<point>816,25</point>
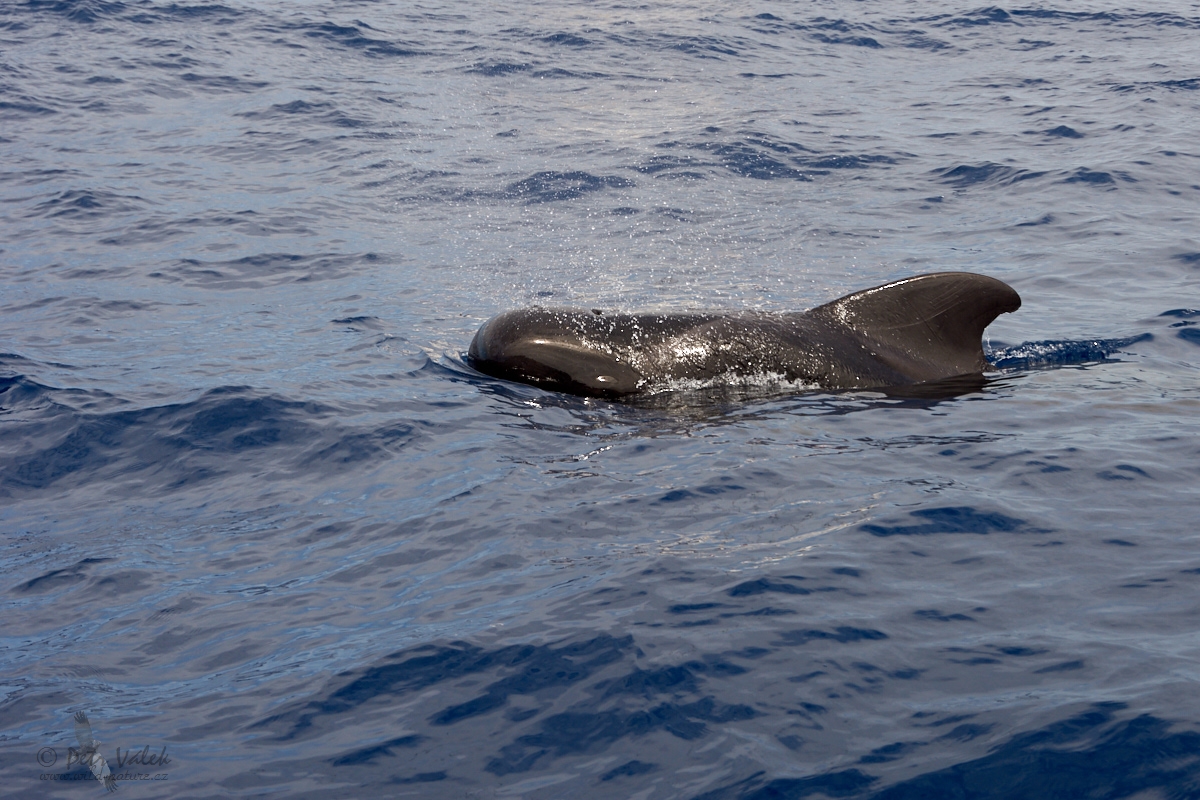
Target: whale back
<point>929,327</point>
<point>921,329</point>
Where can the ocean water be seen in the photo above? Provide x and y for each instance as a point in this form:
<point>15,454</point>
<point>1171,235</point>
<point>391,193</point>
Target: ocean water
<point>267,529</point>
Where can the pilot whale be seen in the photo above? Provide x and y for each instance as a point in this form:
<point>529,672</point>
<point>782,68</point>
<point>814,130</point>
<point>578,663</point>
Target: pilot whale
<point>916,330</point>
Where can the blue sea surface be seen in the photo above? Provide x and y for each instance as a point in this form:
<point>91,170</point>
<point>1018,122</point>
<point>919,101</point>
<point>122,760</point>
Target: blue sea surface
<point>260,516</point>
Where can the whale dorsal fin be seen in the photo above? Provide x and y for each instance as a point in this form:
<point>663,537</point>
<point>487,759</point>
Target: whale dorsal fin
<point>928,327</point>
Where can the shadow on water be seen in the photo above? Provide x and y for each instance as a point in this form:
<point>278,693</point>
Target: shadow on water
<point>1092,754</point>
<point>532,670</point>
<point>953,519</point>
<point>734,403</point>
<point>60,442</point>
<point>535,705</point>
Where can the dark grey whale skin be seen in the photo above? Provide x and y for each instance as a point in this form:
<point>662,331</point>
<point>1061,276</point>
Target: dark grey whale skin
<point>916,330</point>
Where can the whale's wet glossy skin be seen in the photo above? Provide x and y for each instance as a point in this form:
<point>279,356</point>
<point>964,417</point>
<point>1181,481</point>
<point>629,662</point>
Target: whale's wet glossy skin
<point>920,329</point>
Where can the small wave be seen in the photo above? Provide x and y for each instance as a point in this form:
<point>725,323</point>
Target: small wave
<point>756,155</point>
<point>952,519</point>
<point>321,112</point>
<point>222,83</point>
<point>1036,355</point>
<point>1094,751</point>
<point>78,10</point>
<point>992,15</point>
<point>360,323</point>
<point>844,161</point>
<point>1045,219</point>
<point>567,39</point>
<point>663,163</point>
<point>556,72</point>
<point>752,158</point>
<point>919,41</point>
<point>1187,84</point>
<point>965,175</point>
<point>15,105</point>
<point>287,110</point>
<point>825,30</point>
<point>90,11</point>
<point>87,203</point>
<point>1186,328</point>
<point>23,399</point>
<point>57,578</point>
<point>19,394</point>
<point>197,11</point>
<point>1064,132</point>
<point>351,37</point>
<point>857,41</point>
<point>701,46</point>
<point>265,269</point>
<point>158,228</point>
<point>677,214</point>
<point>551,186</point>
<point>1153,18</point>
<point>164,448</point>
<point>1097,178</point>
<point>498,68</point>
